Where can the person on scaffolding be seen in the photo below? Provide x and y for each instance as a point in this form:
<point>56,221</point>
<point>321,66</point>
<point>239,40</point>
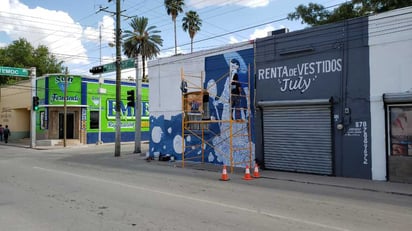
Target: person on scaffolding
<point>236,90</point>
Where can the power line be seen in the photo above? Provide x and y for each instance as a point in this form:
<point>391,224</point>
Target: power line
<point>212,37</point>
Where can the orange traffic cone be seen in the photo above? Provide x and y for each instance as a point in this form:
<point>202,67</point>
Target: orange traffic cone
<point>256,171</point>
<point>224,177</point>
<point>247,174</point>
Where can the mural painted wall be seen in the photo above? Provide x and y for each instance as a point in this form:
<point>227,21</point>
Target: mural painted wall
<point>166,98</point>
<point>166,101</point>
<point>220,70</point>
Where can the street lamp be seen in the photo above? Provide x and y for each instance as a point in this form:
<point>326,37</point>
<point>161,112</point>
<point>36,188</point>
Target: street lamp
<point>137,109</point>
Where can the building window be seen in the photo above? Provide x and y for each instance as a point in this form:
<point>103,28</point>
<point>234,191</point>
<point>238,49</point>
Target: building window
<point>400,129</point>
<point>94,119</point>
<point>43,120</point>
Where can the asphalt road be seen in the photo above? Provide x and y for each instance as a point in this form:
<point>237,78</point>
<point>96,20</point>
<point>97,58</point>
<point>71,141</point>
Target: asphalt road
<point>90,189</point>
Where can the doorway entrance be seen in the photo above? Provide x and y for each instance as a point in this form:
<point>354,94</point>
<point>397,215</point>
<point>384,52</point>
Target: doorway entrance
<point>69,127</point>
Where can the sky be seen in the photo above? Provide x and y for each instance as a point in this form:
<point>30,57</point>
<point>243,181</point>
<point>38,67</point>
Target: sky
<point>70,29</point>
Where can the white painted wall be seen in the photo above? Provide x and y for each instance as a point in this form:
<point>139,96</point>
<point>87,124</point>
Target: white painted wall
<point>390,41</point>
<point>165,78</point>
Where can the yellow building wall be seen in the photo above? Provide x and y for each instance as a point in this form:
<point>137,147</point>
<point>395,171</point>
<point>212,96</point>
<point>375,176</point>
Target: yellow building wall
<point>15,106</point>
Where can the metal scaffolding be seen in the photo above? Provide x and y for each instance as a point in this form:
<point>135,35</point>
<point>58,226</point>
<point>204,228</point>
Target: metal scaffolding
<point>197,122</point>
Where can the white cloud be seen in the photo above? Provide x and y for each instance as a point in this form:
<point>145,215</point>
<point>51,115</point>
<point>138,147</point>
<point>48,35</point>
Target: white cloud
<point>107,29</point>
<point>247,3</point>
<point>55,29</point>
<point>263,32</point>
<point>233,40</point>
<point>257,33</point>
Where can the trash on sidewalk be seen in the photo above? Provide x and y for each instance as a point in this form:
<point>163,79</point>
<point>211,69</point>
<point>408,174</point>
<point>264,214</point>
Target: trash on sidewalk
<point>164,157</point>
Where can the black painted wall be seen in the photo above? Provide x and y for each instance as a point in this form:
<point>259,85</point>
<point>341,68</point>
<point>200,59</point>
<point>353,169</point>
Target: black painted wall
<point>330,61</point>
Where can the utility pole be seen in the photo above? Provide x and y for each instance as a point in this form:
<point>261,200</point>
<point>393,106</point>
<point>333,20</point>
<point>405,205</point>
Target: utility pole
<point>33,112</point>
<point>118,75</point>
<point>118,79</point>
<point>65,110</point>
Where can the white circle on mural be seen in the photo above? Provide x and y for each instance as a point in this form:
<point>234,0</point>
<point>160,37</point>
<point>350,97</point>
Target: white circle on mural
<point>156,134</point>
<point>169,130</point>
<point>177,144</point>
<point>211,158</point>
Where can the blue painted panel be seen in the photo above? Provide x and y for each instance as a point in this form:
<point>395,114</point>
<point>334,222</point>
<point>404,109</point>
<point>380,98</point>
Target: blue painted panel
<point>166,136</point>
<point>109,137</point>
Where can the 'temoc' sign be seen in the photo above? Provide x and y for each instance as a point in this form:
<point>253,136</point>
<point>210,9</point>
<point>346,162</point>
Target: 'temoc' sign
<point>12,71</point>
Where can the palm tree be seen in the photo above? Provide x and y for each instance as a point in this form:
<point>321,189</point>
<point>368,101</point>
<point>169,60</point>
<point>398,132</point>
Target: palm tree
<point>141,40</point>
<point>174,7</point>
<point>191,23</point>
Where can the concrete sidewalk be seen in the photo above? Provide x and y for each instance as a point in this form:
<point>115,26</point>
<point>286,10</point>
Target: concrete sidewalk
<point>342,182</point>
<point>350,183</point>
<point>25,143</point>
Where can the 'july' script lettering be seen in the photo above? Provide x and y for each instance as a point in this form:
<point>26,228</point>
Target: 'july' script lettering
<point>295,84</point>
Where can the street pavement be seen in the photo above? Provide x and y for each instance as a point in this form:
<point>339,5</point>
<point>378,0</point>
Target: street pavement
<point>128,147</point>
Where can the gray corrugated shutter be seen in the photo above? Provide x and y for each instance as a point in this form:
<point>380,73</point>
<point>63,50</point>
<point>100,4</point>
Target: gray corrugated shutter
<point>402,97</point>
<point>298,138</point>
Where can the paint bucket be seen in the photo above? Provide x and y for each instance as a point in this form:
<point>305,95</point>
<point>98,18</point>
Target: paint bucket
<point>156,155</point>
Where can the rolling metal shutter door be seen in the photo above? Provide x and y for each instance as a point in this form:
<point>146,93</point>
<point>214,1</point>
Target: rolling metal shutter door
<point>298,138</point>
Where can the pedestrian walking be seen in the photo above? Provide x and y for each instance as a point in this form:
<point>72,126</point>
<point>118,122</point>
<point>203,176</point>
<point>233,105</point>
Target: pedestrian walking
<point>6,134</point>
<point>1,132</point>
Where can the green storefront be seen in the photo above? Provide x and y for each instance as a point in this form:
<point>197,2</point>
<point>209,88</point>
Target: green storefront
<point>86,109</point>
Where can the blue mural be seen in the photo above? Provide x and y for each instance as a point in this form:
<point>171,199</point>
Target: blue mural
<point>222,72</point>
<point>166,134</point>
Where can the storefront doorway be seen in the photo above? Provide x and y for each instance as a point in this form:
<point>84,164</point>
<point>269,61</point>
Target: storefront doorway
<point>69,127</point>
<point>399,128</point>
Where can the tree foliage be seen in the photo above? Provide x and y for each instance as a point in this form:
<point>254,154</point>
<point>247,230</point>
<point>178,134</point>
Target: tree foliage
<point>315,14</point>
<point>142,40</point>
<point>192,24</point>
<point>22,54</point>
<point>174,8</point>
